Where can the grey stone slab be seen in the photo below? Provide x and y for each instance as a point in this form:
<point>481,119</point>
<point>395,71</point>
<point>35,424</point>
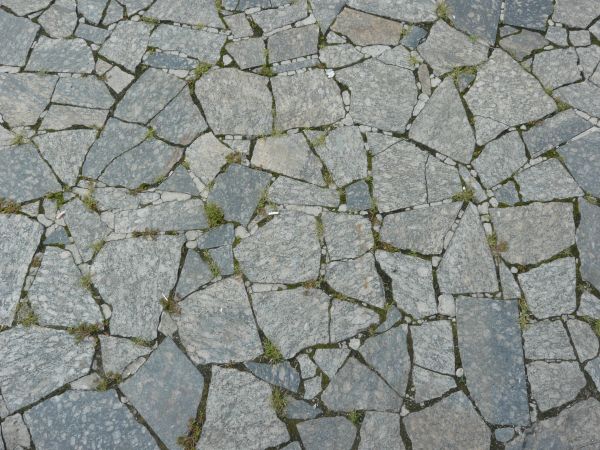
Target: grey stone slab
<point>239,25</point>
<point>282,374</point>
<point>24,8</point>
<point>584,339</point>
<point>582,159</point>
<point>554,131</point>
<point>576,13</point>
<point>327,433</point>
<point>300,410</point>
<point>587,242</point>
<point>293,43</point>
<point>192,12</point>
<point>180,181</point>
<point>510,288</point>
<point>489,341</point>
<point>382,96</point>
<point>61,117</point>
<point>235,102</point>
<point>414,37</point>
<point>293,319</point>
<point>557,67</point>
<point>162,60</point>
<point>358,279</point>
<point>92,9</point>
<point>36,361</point>
<point>23,97</point>
<point>285,250</point>
<point>60,19</point>
<point>507,193</point>
<point>216,324</point>
<point>168,216</point>
<point>528,13</point>
<point>479,18</point>
<point>398,56</point>
<point>433,346</point>
<point>380,430</point>
<point>500,159</point>
<point>344,155</point>
<point>339,55</point>
<point>180,122</point>
<point>272,19</point>
<point>197,44</point>
<point>330,360</point>
<point>547,340</point>
<point>554,384</point>
<point>239,413</point>
<point>132,276</point>
<point>61,55</point>
<point>86,419</point>
<point>19,239</point>
<point>405,10</point>
<point>589,305</point>
<point>429,385</point>
<point>422,230</point>
<point>325,11</point>
<point>557,35</point>
<point>443,180</point>
<point>206,156</point>
<point>58,236</point>
<point>456,425</point>
<point>522,44</point>
<point>358,197</point>
<point>248,52</point>
<point>85,226</point>
<point>223,258</point>
<point>118,353</point>
<point>15,432</point>
<point>593,369</point>
<point>166,391</point>
<point>114,13</point>
<point>583,96</point>
<point>349,319</point>
<point>88,92</point>
<point>194,274</point>
<point>550,288</point>
<point>217,237</point>
<point>534,232</point>
<point>287,191</point>
<point>546,181</point>
<point>17,35</point>
<point>346,236</point>
<point>306,100</point>
<point>366,29</point>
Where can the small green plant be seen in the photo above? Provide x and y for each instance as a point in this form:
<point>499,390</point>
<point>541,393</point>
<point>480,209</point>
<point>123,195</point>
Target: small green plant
<point>150,20</point>
<point>189,441</point>
<point>272,353</point>
<point>496,246</point>
<point>148,233</point>
<point>201,69</point>
<point>141,341</point>
<point>214,215</point>
<point>524,313</point>
<point>562,106</point>
<point>150,134</point>
<point>596,327</point>
<point>466,195</point>
<point>18,139</point>
<point>58,198</point>
<point>311,284</point>
<point>219,5</point>
<point>320,229</point>
<point>263,201</point>
<point>413,60</point>
<point>473,38</point>
<point>86,281</point>
<point>186,164</point>
<point>355,417</point>
<point>278,401</point>
<point>266,71</point>
<point>30,319</point>
<point>84,330</point>
<point>442,10</point>
<point>97,246</point>
<point>234,158</point>
<point>212,265</point>
<point>199,26</point>
<point>109,381</point>
<point>170,305</point>
<point>465,70</point>
<point>9,207</point>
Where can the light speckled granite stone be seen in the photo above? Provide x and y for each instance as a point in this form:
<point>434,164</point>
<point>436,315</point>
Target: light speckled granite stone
<point>17,35</point>
<point>327,433</point>
<point>357,278</point>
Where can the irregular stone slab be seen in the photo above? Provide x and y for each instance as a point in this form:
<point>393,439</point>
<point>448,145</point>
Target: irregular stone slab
<point>383,96</point>
<point>23,97</point>
<point>223,258</point>
<point>132,275</point>
<point>300,410</point>
<point>93,420</point>
<point>293,43</point>
<point>349,319</point>
<point>285,250</point>
<point>339,55</point>
<point>216,324</point>
<point>217,237</point>
<point>24,175</point>
<point>289,155</point>
<point>584,340</point>
<point>88,92</point>
<point>118,353</point>
<point>194,274</point>
<point>344,155</point>
<point>405,10</point>
<point>433,346</point>
<point>198,44</point>
<point>589,305</point>
<point>422,230</point>
<point>180,122</point>
<point>36,361</point>
<point>557,67</point>
<point>380,430</point>
<point>283,374</point>
<point>455,422</point>
<point>446,49</point>
<point>576,13</point>
<point>357,278</point>
<point>358,197</point>
<point>581,158</point>
<point>346,236</point>
<point>61,117</point>
<point>19,239</point>
<point>534,232</point>
<point>85,227</point>
<point>236,102</point>
<point>365,29</point>
<point>546,181</point>
<point>443,124</point>
<point>468,265</point>
<point>330,360</point>
<point>443,180</point>
<point>326,11</point>
<point>522,44</point>
<point>479,18</point>
<point>179,181</point>
<point>528,13</point>
<point>588,234</point>
<point>15,433</point>
<point>327,433</point>
<point>127,44</point>
<point>24,8</point>
<point>192,12</point>
<point>405,186</point>
<point>206,156</point>
<point>489,341</point>
<point>397,56</point>
<point>411,282</point>
<point>593,369</point>
<point>287,191</point>
<point>554,131</point>
<point>92,9</point>
<point>248,52</point>
<point>429,385</point>
<point>306,100</point>
<point>554,384</point>
<point>293,319</point>
<point>356,387</point>
<point>151,92</point>
<point>168,216</point>
<point>504,92</point>
<point>500,159</point>
<point>272,19</point>
<point>61,55</point>
<point>17,34</point>
<point>582,96</point>
<point>547,340</point>
<point>166,391</point>
<point>56,294</point>
<point>239,413</point>
<point>550,288</point>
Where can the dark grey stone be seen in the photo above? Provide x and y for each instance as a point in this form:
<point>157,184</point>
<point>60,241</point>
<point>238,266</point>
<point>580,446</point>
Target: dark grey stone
<point>358,197</point>
<point>223,258</point>
<point>180,122</point>
<point>327,433</point>
<point>282,374</point>
<point>61,55</point>
<point>583,161</point>
<point>554,131</point>
<point>414,37</point>
<point>217,237</point>
<point>528,13</point>
<point>194,274</point>
<point>161,60</point>
<point>479,18</point>
<point>588,241</point>
<point>179,181</point>
<point>23,97</point>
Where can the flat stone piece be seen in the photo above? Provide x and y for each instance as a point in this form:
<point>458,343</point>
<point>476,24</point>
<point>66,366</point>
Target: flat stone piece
<point>180,181</point>
<point>239,413</point>
<point>358,197</point>
<point>60,117</point>
<point>422,230</point>
<point>456,425</point>
<point>61,55</point>
<point>127,44</point>
<point>576,13</point>
<point>557,67</point>
<point>433,346</point>
<point>24,8</point>
<point>293,43</point>
<point>489,341</point>
<point>132,275</point>
<point>479,18</point>
<point>166,391</point>
<point>287,191</point>
<point>547,340</point>
<point>534,232</point>
<point>272,19</point>
<point>56,294</point>
<point>356,387</point>
<point>366,29</point>
<point>92,420</point>
<point>550,288</point>
<point>582,159</point>
<point>380,430</point>
<point>504,92</point>
<point>293,319</point>
<point>85,226</point>
<point>588,235</point>
<point>357,278</point>
<point>327,433</point>
<point>349,319</point>
<point>192,12</point>
<point>88,92</point>
<point>19,239</point>
<point>35,361</point>
<point>383,96</point>
<point>326,11</point>
<point>522,44</point>
<point>223,258</point>
<point>194,274</point>
<point>330,360</point>
<point>405,10</point>
<point>593,369</point>
<point>430,385</point>
<point>282,374</point>
<point>554,131</point>
<point>584,340</point>
<point>306,100</point>
<point>167,216</point>
<point>443,124</point>
<point>206,156</point>
<point>118,353</point>
<point>443,180</point>
<point>583,96</point>
<point>17,34</point>
<point>289,155</point>
<point>546,181</point>
<point>248,52</point>
<point>239,25</point>
<point>528,13</point>
<point>216,324</point>
<point>285,250</point>
<point>236,102</point>
<point>180,122</point>
<point>92,9</point>
<point>300,410</point>
<point>346,236</point>
<point>500,159</point>
<point>339,55</point>
<point>24,175</point>
<point>344,155</point>
<point>197,44</point>
<point>554,384</point>
<point>411,282</point>
<point>468,265</point>
<point>23,96</point>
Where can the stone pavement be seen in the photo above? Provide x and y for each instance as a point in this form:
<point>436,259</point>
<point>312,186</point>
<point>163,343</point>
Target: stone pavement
<point>299,224</point>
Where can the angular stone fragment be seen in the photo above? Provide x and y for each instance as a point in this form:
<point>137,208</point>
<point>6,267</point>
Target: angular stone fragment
<point>429,385</point>
<point>582,159</point>
<point>192,12</point>
<point>327,433</point>
<point>348,319</point>
<point>60,117</point>
<point>443,180</point>
<point>489,341</point>
<point>522,44</point>
<point>179,181</point>
<point>365,29</point>
<point>528,13</point>
<point>330,360</point>
<point>167,216</point>
<point>584,340</point>
<point>358,197</point>
<point>576,13</point>
<point>248,52</point>
<point>344,155</point>
<point>194,274</point>
<point>554,384</point>
<point>17,34</point>
<point>282,374</point>
<point>127,44</point>
<point>380,430</point>
<point>357,278</point>
<point>88,92</point>
<point>339,55</point>
<point>118,353</point>
<point>180,122</point>
<point>325,11</point>
<point>85,227</point>
<point>589,305</point>
<point>293,43</point>
<point>197,44</point>
<point>547,340</point>
<point>406,10</point>
<point>272,19</point>
<point>556,68</point>
<point>500,159</point>
<point>433,346</point>
<point>23,97</point>
<point>479,18</point>
<point>583,96</point>
<point>588,238</point>
<point>61,55</point>
<point>346,236</point>
<point>206,156</point>
<point>287,191</point>
<point>548,180</point>
<point>92,9</point>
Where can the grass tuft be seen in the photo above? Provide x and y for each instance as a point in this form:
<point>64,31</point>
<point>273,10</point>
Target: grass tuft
<point>170,305</point>
<point>466,195</point>
<point>9,207</point>
<point>30,319</point>
<point>496,246</point>
<point>150,134</point>
<point>234,158</point>
<point>109,381</point>
<point>18,139</point>
<point>272,353</point>
<point>442,10</point>
<point>189,441</point>
<point>214,215</point>
<point>355,417</point>
<point>200,70</point>
<point>524,313</point>
<point>84,330</point>
<point>278,401</point>
<point>86,281</point>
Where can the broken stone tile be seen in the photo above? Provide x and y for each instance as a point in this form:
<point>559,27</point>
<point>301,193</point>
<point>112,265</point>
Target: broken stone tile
<point>534,232</point>
<point>546,181</point>
<point>589,305</point>
<point>339,55</point>
<point>61,55</point>
<point>287,191</point>
<point>60,19</point>
<point>331,359</point>
<point>344,155</point>
<point>581,158</point>
<point>358,197</point>
<point>331,433</point>
<point>24,8</point>
<point>400,56</point>
<point>180,122</point>
<point>554,384</point>
<point>132,275</point>
<point>507,193</point>
<point>521,45</point>
<point>248,52</point>
<point>547,340</point>
<point>194,274</point>
<point>23,97</point>
<point>414,37</point>
<point>479,18</point>
<point>192,12</point>
<point>300,410</point>
<point>550,288</point>
<point>587,242</point>
<point>223,259</point>
<point>239,25</point>
<point>510,288</point>
<point>557,67</point>
<point>293,43</point>
<point>582,96</point>
<point>366,29</point>
<point>36,361</point>
<point>118,353</point>
<point>443,180</point>
<point>346,236</point>
<point>326,11</point>
<point>15,433</point>
<point>429,385</point>
<point>433,346</point>
<point>239,413</point>
<point>92,9</point>
<point>383,96</point>
<point>236,102</point>
<point>584,339</point>
<point>348,319</point>
<point>405,10</point>
<point>593,369</point>
<point>90,419</point>
<point>198,44</point>
<point>217,237</point>
<point>179,181</point>
<point>357,278</point>
<point>167,216</point>
<point>528,13</point>
<point>272,19</point>
<point>88,92</point>
<point>17,34</point>
<point>206,156</point>
<point>85,227</point>
<point>500,159</point>
<point>282,374</point>
<point>61,117</point>
<point>576,13</point>
<point>380,430</point>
